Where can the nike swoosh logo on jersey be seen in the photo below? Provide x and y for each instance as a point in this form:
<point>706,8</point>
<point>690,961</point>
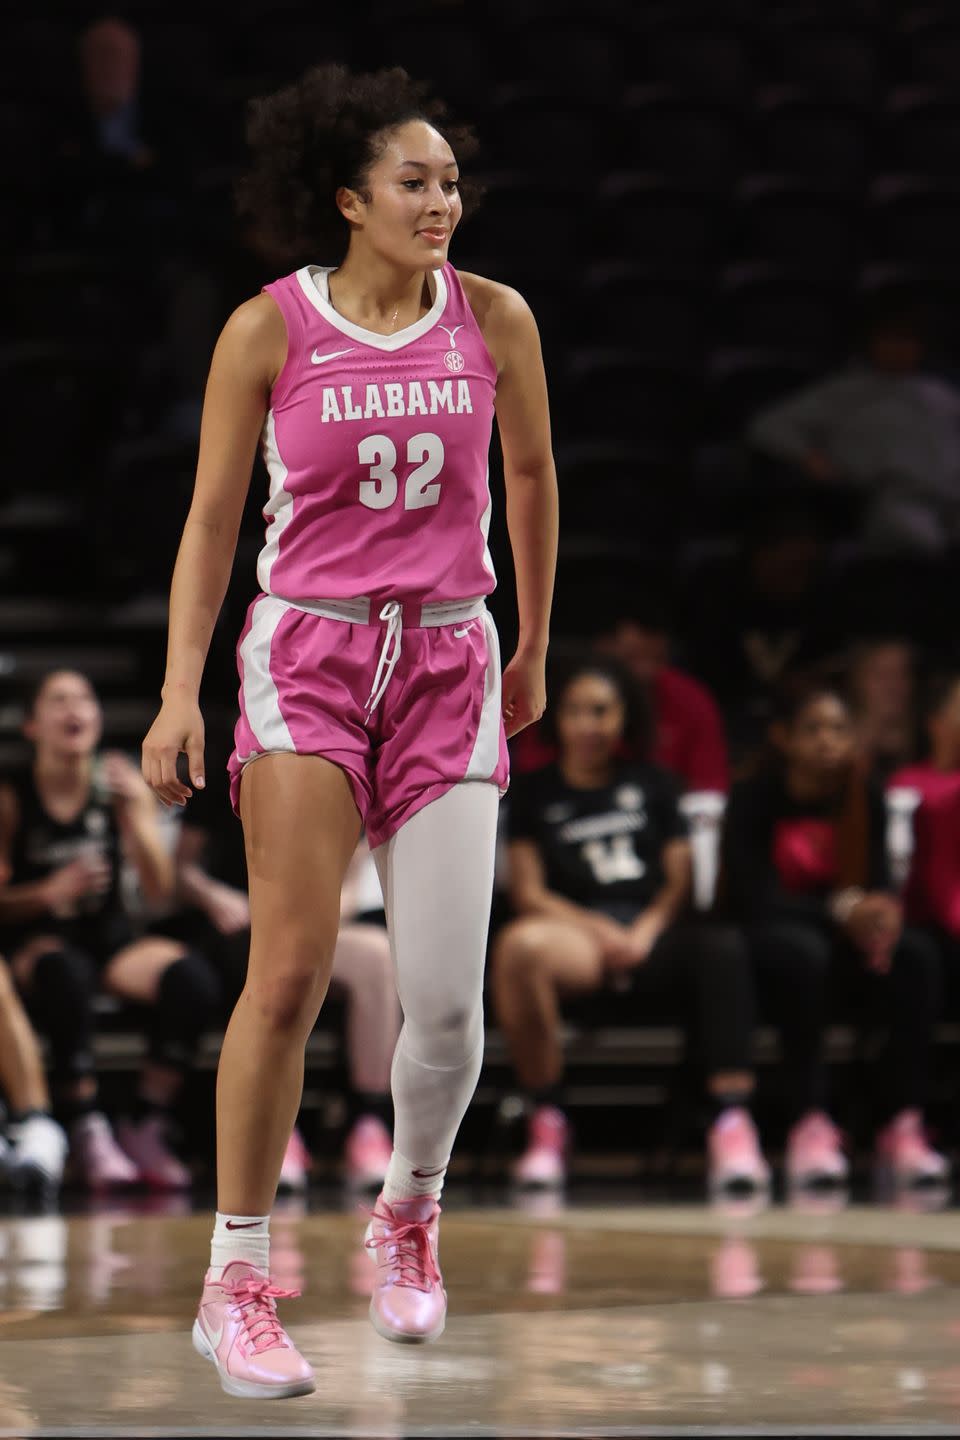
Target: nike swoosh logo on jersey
<point>316,359</point>
<point>464,631</point>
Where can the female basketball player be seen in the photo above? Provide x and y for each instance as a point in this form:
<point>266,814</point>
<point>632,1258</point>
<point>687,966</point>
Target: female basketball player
<point>370,686</point>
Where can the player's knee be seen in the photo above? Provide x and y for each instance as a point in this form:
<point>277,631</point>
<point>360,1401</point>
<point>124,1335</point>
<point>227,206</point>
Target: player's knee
<point>288,1000</point>
<point>446,1037</point>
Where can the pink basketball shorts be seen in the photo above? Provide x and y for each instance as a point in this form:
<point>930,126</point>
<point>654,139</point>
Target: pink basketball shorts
<point>406,701</point>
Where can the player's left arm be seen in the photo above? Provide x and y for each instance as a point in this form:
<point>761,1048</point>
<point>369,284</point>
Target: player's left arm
<point>523,417</point>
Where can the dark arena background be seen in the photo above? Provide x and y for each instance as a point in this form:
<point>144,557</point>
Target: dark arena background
<point>737,224</point>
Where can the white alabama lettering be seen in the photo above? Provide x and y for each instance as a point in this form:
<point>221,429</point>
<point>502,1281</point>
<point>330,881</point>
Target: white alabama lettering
<point>441,396</point>
<point>395,399</point>
<point>373,405</point>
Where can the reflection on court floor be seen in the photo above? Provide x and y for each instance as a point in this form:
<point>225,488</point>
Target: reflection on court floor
<point>580,1320</point>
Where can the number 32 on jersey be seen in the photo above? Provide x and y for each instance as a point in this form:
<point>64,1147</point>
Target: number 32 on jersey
<point>380,490</point>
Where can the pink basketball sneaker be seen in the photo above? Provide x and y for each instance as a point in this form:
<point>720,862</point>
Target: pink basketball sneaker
<point>814,1156</point>
<point>543,1163</point>
<point>367,1153</point>
<point>903,1147</point>
<point>98,1162</point>
<point>237,1330</point>
<point>733,1154</point>
<point>409,1302</point>
<point>146,1145</point>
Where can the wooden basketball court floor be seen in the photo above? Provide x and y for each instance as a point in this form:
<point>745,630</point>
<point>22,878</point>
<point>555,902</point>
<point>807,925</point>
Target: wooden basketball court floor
<point>580,1320</point>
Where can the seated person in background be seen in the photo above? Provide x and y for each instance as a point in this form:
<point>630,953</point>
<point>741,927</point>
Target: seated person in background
<point>884,430</point>
<point>688,736</point>
<point>932,896</point>
<point>804,870</point>
<point>600,878</point>
<point>212,884</point>
<point>882,685</point>
<point>39,1145</point>
<point>65,823</point>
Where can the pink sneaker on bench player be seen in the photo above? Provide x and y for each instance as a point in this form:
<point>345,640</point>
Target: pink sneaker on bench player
<point>409,1302</point>
<point>734,1159</point>
<point>238,1330</point>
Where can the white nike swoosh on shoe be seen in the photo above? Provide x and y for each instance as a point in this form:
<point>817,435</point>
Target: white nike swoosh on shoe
<point>458,633</point>
<point>316,359</point>
<point>214,1336</point>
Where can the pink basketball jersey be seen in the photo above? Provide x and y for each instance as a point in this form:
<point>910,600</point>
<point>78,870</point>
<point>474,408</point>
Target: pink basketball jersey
<point>377,451</point>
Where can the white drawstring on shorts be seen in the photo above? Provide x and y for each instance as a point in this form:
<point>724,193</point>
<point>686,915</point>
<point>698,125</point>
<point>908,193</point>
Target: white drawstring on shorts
<point>392,613</point>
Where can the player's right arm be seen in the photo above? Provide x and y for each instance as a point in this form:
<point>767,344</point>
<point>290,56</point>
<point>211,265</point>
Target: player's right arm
<point>249,355</point>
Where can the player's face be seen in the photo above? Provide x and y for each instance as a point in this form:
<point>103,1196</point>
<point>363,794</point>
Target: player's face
<point>820,741</point>
<point>590,720</point>
<point>414,204</point>
<point>67,719</point>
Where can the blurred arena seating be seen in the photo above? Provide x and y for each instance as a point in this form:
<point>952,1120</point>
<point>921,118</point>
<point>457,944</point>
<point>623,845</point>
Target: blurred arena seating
<point>693,197</point>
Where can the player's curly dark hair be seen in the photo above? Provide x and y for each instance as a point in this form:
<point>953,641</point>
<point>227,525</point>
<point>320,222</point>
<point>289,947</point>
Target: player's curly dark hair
<point>324,132</point>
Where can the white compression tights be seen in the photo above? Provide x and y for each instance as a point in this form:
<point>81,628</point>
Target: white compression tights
<point>437,879</point>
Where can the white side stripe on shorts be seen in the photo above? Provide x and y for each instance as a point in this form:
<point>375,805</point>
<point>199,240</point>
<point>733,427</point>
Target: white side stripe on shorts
<point>261,701</point>
<point>486,747</point>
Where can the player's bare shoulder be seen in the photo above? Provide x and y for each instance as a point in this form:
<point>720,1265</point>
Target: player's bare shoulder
<point>504,317</point>
<point>255,338</point>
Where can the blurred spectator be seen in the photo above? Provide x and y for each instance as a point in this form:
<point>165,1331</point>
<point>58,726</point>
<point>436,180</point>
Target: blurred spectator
<point>110,70</point>
<point>759,612</point>
<point>125,183</point>
<point>66,822</point>
<point>600,879</point>
<point>882,686</point>
<point>688,736</point>
<point>212,886</point>
<point>39,1145</point>
<point>932,896</point>
<point>884,430</point>
<point>805,872</point>
<point>113,190</point>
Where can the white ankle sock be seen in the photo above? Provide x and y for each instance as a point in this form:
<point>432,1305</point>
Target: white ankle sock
<point>406,1181</point>
<point>240,1237</point>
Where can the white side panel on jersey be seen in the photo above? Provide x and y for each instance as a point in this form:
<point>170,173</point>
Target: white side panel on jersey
<point>485,528</point>
<point>278,510</point>
<point>486,747</point>
<point>261,701</point>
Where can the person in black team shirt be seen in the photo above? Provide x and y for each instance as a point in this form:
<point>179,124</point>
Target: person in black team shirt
<point>66,824</point>
<point>600,876</point>
<point>804,869</point>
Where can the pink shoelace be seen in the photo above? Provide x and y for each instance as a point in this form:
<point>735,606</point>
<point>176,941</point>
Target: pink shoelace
<point>413,1252</point>
<point>257,1303</point>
